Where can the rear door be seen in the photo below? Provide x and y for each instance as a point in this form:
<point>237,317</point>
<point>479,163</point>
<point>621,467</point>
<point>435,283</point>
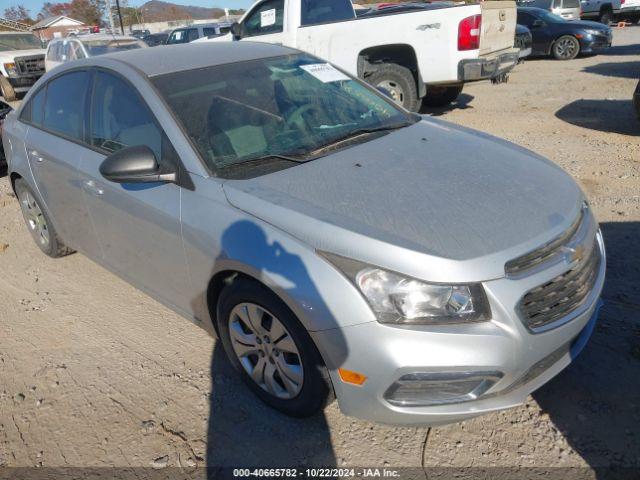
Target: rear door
<point>54,146</point>
<point>138,225</point>
<point>498,26</point>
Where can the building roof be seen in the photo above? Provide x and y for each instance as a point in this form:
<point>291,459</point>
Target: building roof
<point>49,21</point>
<point>191,56</point>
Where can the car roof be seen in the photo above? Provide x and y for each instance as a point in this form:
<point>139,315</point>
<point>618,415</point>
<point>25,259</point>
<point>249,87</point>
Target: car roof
<point>532,9</point>
<point>191,56</point>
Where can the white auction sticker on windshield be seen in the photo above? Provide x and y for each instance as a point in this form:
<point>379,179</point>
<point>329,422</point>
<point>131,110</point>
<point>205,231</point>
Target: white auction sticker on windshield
<point>268,18</point>
<point>324,72</point>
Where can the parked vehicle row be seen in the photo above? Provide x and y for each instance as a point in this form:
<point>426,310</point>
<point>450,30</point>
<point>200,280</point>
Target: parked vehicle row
<point>194,32</point>
<point>68,49</point>
<point>306,219</point>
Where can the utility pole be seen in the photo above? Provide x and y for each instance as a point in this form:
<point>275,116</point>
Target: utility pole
<point>120,16</point>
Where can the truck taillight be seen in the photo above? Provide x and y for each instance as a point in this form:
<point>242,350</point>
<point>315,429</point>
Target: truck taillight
<point>469,33</point>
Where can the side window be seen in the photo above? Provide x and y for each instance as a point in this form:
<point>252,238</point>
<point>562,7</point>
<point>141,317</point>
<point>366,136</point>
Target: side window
<point>209,31</point>
<point>120,118</point>
<point>525,19</point>
<point>33,111</point>
<point>64,113</point>
<point>177,36</point>
<point>192,34</point>
<point>266,18</point>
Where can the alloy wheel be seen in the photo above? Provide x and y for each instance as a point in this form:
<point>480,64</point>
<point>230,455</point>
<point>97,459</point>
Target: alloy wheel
<point>266,350</point>
<point>566,48</point>
<point>36,221</point>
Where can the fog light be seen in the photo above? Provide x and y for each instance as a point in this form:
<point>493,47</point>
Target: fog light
<point>438,388</point>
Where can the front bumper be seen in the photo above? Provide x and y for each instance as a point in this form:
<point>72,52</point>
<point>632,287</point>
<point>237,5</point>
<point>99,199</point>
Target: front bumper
<point>23,83</point>
<point>484,68</point>
<point>591,43</point>
<point>385,353</point>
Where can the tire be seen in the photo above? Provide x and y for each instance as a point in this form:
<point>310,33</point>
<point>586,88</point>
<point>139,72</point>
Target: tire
<point>606,17</point>
<point>38,222</point>
<point>566,47</point>
<point>441,96</point>
<point>7,91</point>
<point>400,83</point>
<point>310,378</point>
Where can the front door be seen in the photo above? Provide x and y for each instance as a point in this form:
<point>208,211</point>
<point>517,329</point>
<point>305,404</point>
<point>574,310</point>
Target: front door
<point>138,225</point>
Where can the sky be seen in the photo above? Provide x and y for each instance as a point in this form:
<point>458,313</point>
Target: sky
<point>35,5</point>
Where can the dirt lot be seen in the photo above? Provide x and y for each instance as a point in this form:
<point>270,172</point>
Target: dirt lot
<point>94,373</point>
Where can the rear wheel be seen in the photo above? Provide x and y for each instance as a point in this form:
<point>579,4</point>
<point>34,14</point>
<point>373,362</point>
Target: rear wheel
<point>441,96</point>
<point>274,354</point>
<point>399,82</point>
<point>7,91</point>
<point>566,47</point>
<point>606,17</point>
<point>38,223</point>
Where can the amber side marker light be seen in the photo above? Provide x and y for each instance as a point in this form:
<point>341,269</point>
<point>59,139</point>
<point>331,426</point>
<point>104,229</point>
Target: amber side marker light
<point>349,376</point>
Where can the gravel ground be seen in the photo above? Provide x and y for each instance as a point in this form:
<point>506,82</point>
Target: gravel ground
<point>94,373</point>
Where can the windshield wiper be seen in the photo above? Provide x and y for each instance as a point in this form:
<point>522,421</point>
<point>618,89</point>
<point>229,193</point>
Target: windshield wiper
<point>360,131</point>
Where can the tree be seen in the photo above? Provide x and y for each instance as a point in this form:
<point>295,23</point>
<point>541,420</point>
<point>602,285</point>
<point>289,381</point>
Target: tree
<point>18,14</point>
<point>87,11</point>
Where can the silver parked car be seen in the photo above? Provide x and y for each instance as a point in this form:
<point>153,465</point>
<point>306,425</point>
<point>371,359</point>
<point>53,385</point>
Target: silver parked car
<point>61,50</point>
<point>423,272</point>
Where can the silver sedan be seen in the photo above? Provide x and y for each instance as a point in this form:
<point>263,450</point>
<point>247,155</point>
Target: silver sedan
<point>421,272</point>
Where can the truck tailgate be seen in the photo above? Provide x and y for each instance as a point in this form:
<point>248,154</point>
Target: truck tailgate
<point>498,26</point>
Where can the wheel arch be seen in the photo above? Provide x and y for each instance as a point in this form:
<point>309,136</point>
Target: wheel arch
<point>400,53</point>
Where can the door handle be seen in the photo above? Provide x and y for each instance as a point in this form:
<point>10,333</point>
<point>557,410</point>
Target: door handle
<point>36,156</point>
<point>91,187</point>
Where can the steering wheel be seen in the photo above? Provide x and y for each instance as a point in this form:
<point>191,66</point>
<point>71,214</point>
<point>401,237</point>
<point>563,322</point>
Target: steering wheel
<point>296,117</point>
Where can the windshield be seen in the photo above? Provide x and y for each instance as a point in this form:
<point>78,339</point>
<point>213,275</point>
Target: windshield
<point>19,42</point>
<point>100,47</point>
<point>293,105</point>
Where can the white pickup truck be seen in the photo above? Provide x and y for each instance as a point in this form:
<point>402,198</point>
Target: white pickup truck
<point>414,51</point>
<point>21,62</point>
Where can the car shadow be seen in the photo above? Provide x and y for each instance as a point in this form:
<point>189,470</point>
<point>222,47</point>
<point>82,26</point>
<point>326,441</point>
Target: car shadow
<point>611,116</point>
<point>461,103</point>
<point>615,69</point>
<point>595,402</point>
<point>242,431</point>
<point>620,50</point>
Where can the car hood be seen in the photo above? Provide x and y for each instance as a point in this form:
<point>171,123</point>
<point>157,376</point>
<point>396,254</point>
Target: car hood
<point>22,53</point>
<point>589,25</point>
<point>427,197</point>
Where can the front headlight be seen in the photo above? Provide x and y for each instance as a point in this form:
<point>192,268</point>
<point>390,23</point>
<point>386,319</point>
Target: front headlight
<point>398,299</point>
<point>594,32</point>
<point>11,69</point>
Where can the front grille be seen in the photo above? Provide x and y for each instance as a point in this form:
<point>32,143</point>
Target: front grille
<point>32,65</point>
<point>530,261</point>
<point>563,295</point>
<point>522,41</point>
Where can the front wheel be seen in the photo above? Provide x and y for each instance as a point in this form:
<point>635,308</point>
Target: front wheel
<point>272,351</point>
<point>566,47</point>
<point>441,96</point>
<point>399,82</point>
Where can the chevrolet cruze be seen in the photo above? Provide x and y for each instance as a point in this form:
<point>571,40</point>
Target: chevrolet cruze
<point>421,272</point>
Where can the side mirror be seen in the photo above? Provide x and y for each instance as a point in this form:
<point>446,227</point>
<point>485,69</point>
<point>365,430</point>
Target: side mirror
<point>134,165</point>
<point>236,30</point>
